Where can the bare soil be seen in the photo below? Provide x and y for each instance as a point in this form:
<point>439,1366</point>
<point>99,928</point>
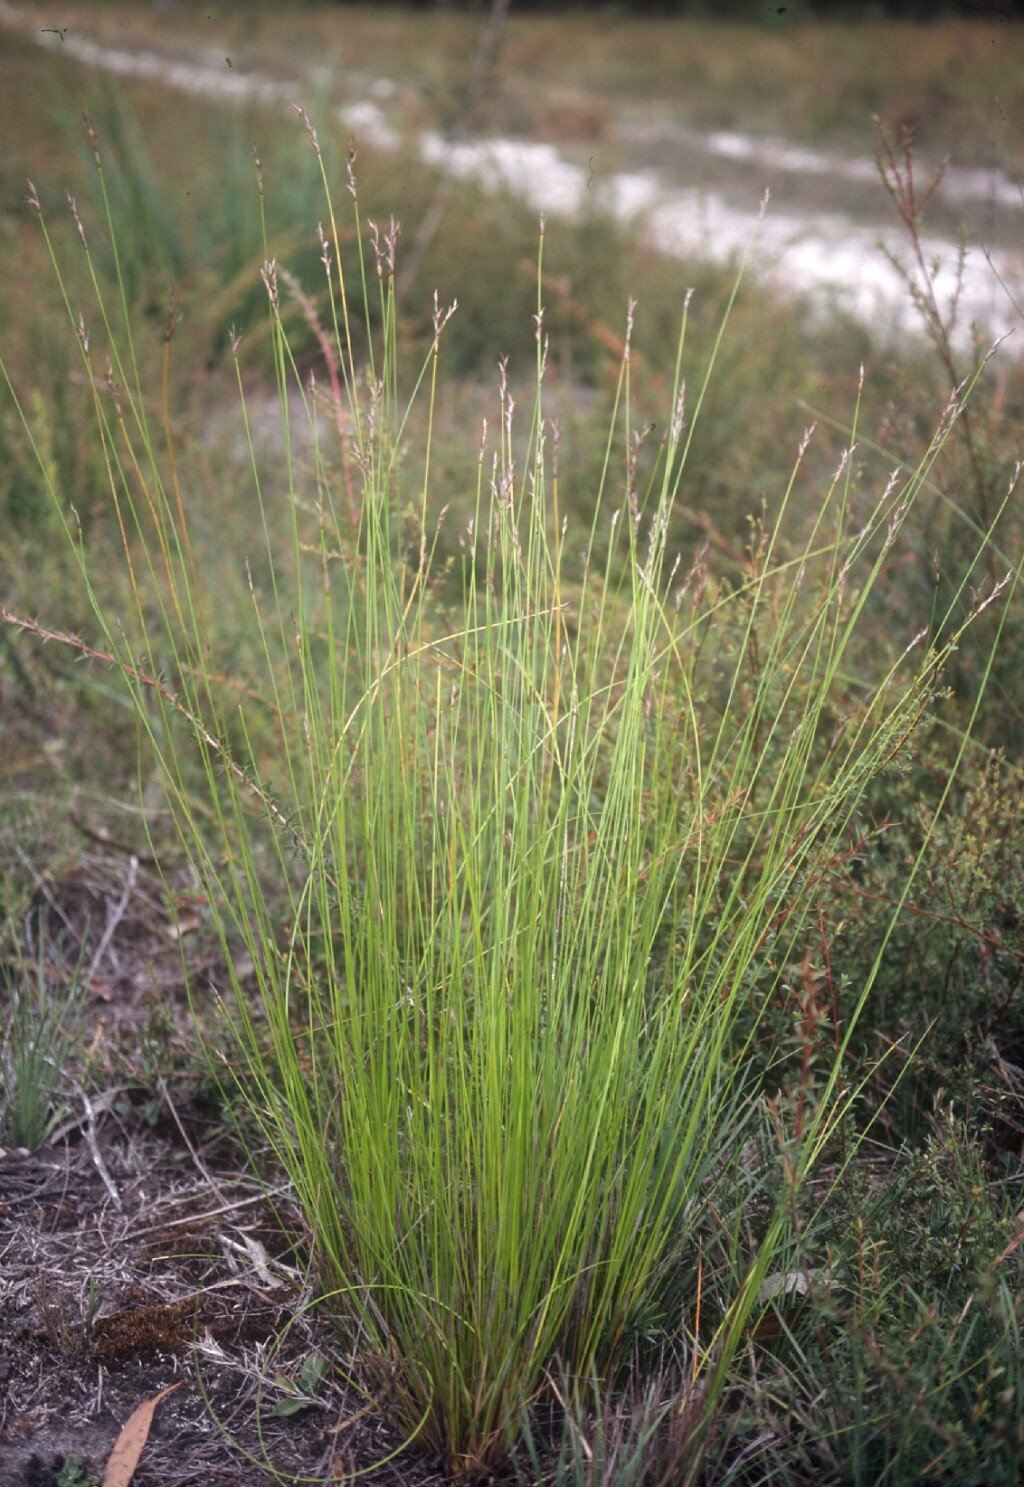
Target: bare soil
<point>137,1251</point>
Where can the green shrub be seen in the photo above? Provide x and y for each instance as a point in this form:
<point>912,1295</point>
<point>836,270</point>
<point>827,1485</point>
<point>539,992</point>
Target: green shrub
<point>906,1364</point>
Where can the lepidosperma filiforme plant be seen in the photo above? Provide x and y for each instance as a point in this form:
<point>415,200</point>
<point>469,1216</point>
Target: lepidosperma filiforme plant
<point>513,845</point>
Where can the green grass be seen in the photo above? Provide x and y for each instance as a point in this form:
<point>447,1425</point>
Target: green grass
<point>42,1001</point>
<point>520,855</point>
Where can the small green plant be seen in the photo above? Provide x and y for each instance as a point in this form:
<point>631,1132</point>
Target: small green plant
<point>74,1472</point>
<point>302,1393</point>
<point>42,995</point>
<point>68,1319</point>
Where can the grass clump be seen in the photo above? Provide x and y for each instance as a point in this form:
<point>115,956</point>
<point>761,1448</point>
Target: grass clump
<point>41,1002</point>
<point>518,843</point>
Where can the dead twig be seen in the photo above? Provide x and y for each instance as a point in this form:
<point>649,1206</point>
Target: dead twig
<point>117,914</point>
<point>89,1131</point>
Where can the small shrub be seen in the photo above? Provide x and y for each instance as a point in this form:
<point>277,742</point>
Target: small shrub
<point>908,1365</point>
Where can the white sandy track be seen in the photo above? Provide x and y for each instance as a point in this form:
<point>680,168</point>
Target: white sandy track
<point>826,257</point>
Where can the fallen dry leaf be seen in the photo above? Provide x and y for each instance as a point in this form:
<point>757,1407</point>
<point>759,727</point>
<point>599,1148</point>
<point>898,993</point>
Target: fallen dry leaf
<point>131,1443</point>
<point>792,1283</point>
